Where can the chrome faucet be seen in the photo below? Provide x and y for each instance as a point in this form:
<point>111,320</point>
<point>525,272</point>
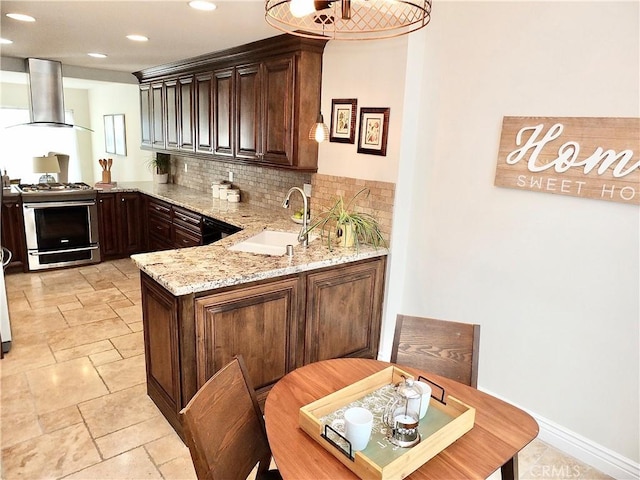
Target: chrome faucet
<point>303,236</point>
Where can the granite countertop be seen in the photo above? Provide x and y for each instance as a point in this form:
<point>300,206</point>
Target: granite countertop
<point>198,269</point>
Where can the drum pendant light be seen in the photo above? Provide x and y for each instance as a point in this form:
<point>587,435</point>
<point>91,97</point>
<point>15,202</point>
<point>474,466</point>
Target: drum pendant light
<point>348,19</point>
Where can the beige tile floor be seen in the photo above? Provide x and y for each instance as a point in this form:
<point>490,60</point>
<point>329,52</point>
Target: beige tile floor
<point>74,401</point>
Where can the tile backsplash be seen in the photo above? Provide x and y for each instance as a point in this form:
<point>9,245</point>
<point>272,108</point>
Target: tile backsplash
<point>268,186</point>
<point>379,203</point>
<point>258,185</point>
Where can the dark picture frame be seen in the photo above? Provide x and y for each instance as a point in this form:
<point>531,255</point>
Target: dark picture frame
<point>343,120</point>
<point>374,129</point>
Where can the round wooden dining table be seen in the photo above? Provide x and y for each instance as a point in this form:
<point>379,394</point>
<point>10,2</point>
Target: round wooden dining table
<point>499,433</point>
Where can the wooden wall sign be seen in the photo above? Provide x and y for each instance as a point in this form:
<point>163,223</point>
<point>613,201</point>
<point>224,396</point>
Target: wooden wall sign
<point>583,157</point>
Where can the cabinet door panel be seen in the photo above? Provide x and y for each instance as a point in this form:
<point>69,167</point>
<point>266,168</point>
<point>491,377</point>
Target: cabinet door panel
<point>185,96</point>
<point>13,233</point>
<point>343,312</point>
<point>223,112</point>
<point>259,322</point>
<point>109,225</point>
<point>160,324</point>
<point>145,115</point>
<point>157,115</point>
<point>204,142</point>
<point>171,101</point>
<point>130,211</point>
<point>247,125</point>
<point>278,111</point>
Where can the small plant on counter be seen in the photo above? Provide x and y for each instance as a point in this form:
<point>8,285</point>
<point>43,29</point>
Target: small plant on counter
<point>159,163</point>
<point>350,228</point>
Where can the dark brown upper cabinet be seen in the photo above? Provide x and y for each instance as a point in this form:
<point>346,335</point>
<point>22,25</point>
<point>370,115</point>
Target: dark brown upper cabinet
<point>264,113</point>
<point>173,109</point>
<point>186,128</point>
<point>250,104</point>
<point>204,115</point>
<point>223,89</point>
<point>158,115</point>
<point>145,115</point>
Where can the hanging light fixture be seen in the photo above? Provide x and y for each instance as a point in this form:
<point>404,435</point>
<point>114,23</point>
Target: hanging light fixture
<point>348,19</point>
<point>319,132</point>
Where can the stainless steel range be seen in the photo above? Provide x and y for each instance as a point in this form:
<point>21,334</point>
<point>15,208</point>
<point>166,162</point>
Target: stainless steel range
<point>61,224</point>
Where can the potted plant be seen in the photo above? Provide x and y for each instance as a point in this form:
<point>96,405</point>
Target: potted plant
<point>347,227</point>
<point>159,165</point>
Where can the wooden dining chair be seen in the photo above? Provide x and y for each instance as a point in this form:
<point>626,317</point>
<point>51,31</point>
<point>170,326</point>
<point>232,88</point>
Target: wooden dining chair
<point>450,349</point>
<point>224,428</point>
<point>445,348</point>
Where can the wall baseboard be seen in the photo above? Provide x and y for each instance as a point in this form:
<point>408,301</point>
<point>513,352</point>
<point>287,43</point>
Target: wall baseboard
<point>581,448</point>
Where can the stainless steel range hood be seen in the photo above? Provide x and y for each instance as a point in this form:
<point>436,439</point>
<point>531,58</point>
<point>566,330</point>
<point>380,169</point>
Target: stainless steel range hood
<point>46,95</point>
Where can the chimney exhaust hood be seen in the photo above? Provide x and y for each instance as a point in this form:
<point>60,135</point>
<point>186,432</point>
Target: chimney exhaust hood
<point>46,95</point>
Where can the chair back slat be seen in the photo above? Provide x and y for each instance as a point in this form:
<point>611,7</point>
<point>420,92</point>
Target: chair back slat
<point>450,349</point>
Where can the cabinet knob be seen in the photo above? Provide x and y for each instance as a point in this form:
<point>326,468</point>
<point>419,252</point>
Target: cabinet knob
<point>122,199</point>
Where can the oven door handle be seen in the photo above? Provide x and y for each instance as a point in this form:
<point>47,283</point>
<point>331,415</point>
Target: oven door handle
<point>66,250</point>
<point>87,203</point>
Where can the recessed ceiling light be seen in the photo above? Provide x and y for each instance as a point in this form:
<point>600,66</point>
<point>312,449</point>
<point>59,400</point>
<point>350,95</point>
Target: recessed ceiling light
<point>137,38</point>
<point>5,41</point>
<point>22,17</point>
<point>97,55</point>
<point>202,5</point>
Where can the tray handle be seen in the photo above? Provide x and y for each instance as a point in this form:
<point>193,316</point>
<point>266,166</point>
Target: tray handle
<point>442,391</point>
<point>341,449</point>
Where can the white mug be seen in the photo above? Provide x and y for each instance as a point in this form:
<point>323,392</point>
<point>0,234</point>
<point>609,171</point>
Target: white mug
<point>425,399</point>
<point>358,423</point>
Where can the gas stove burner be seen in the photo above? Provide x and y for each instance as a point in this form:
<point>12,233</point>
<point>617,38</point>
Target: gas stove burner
<point>53,187</point>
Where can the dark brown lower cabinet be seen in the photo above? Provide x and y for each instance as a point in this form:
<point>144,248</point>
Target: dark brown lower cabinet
<point>277,325</point>
<point>119,216</point>
<point>260,322</point>
<point>343,312</point>
<point>13,234</point>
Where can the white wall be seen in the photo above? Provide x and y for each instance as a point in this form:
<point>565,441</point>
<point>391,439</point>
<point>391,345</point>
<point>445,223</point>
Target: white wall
<point>373,73</point>
<point>116,98</point>
<point>16,95</point>
<point>553,281</point>
<point>90,101</point>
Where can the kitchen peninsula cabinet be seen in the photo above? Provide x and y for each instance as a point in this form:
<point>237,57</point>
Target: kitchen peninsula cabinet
<point>160,311</point>
<point>119,217</point>
<point>13,233</point>
<point>252,104</point>
<point>262,322</point>
<point>277,325</point>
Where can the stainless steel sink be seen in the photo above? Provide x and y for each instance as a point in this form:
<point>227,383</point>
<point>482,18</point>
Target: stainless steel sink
<point>268,242</point>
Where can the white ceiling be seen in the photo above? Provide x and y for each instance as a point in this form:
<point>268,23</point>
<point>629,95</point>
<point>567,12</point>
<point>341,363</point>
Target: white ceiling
<point>67,30</point>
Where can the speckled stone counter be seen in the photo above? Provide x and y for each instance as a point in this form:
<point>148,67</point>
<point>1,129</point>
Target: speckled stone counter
<point>198,269</point>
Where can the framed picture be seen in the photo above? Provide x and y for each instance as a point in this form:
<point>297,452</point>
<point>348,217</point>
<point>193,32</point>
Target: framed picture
<point>114,134</point>
<point>109,135</point>
<point>374,128</point>
<point>343,120</point>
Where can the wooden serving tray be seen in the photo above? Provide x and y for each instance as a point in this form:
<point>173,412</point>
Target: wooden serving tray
<point>443,424</point>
